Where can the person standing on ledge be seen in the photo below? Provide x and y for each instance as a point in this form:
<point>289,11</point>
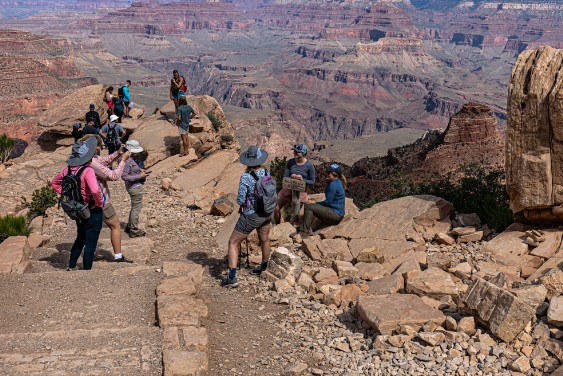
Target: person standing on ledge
<point>93,116</point>
<point>184,113</point>
<point>176,85</point>
<point>331,210</point>
<point>126,98</point>
<point>298,167</point>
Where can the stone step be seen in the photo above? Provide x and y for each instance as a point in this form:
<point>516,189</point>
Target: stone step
<point>58,301</point>
<point>110,351</point>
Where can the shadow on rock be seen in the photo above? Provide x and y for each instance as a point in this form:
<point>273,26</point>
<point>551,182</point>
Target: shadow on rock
<point>216,266</point>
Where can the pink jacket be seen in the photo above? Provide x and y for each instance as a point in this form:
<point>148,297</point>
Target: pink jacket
<point>89,186</point>
<point>104,173</point>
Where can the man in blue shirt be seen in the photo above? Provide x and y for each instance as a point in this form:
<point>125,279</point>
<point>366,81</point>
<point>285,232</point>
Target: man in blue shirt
<point>184,114</point>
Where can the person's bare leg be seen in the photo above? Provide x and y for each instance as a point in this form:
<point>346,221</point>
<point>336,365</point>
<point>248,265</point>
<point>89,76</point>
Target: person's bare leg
<point>186,143</point>
<point>264,236</point>
<point>114,225</point>
<point>234,246</point>
<point>277,214</point>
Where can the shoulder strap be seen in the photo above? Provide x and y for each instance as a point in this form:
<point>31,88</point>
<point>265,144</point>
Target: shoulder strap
<point>253,174</point>
<point>80,171</point>
<point>69,172</point>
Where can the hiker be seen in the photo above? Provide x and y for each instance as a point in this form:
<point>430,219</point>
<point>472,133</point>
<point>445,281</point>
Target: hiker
<point>249,218</point>
<point>104,173</point>
<point>176,85</point>
<point>117,106</point>
<point>93,116</point>
<point>87,231</point>
<point>298,167</point>
<point>112,134</point>
<point>126,97</point>
<point>134,175</point>
<point>331,210</point>
<point>184,113</point>
<point>77,132</point>
<point>108,99</point>
<point>90,129</point>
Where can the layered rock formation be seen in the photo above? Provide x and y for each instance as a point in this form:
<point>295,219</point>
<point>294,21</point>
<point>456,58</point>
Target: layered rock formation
<point>534,150</point>
<point>35,71</point>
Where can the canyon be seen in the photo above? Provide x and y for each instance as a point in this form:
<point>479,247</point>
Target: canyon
<point>294,71</point>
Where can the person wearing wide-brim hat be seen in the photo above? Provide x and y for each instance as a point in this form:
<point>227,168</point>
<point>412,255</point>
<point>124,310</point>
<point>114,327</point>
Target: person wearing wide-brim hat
<point>87,232</point>
<point>134,175</point>
<point>249,219</point>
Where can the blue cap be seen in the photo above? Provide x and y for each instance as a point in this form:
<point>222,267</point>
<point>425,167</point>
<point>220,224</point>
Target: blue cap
<point>92,105</point>
<point>76,125</point>
<point>300,148</point>
<point>335,167</point>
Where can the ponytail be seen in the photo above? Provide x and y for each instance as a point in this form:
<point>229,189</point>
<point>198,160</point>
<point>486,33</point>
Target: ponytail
<point>342,180</point>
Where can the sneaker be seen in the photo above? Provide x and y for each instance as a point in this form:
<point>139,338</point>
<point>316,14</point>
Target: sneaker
<point>257,270</point>
<point>120,259</point>
<point>227,282</point>
<point>69,269</point>
<point>136,233</point>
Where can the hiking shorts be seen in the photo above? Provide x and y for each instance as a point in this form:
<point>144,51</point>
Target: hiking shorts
<point>248,222</point>
<point>109,211</point>
<point>286,196</point>
<point>183,131</point>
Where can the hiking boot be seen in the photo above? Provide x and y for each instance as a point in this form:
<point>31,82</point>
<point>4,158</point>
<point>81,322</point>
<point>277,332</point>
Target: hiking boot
<point>136,233</point>
<point>257,270</point>
<point>228,282</point>
<point>127,230</point>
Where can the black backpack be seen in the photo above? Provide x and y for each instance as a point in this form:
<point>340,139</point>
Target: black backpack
<point>120,92</point>
<point>112,139</point>
<point>71,198</point>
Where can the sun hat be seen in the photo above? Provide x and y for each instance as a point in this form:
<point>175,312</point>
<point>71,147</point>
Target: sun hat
<point>113,118</point>
<point>300,148</point>
<point>133,146</point>
<point>335,167</point>
<point>92,105</point>
<point>82,152</point>
<point>253,156</point>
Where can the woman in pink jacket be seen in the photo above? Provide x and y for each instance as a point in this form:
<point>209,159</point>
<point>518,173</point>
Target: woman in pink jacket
<point>104,174</point>
<point>87,232</point>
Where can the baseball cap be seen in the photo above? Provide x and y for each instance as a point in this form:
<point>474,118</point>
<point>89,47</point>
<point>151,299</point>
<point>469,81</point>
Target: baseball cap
<point>76,125</point>
<point>92,105</point>
<point>335,167</point>
<point>300,148</point>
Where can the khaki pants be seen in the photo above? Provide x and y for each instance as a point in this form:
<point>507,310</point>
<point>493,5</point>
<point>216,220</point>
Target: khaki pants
<point>324,213</point>
<point>136,195</point>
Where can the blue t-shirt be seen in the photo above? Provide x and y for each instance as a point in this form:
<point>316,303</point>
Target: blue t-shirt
<point>184,111</point>
<point>126,95</point>
<point>335,197</point>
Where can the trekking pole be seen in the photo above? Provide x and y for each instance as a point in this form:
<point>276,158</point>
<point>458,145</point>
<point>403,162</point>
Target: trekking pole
<point>247,254</point>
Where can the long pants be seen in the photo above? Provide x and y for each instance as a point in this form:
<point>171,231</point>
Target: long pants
<point>324,213</point>
<point>87,235</point>
<point>136,195</point>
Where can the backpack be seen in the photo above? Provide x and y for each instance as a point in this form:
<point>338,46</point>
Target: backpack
<point>184,87</point>
<point>91,116</point>
<point>120,92</point>
<point>112,138</point>
<point>266,194</point>
<point>71,198</point>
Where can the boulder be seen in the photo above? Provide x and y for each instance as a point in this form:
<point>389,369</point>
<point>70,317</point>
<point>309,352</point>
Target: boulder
<point>281,234</point>
<point>222,206</point>
<point>14,255</point>
<point>284,265</point>
<point>534,145</point>
<point>467,325</point>
<point>553,281</point>
<point>533,295</point>
<point>550,245</point>
<point>370,271</point>
<point>390,284</point>
<point>471,219</point>
<point>36,240</point>
<point>462,270</point>
<point>326,276</point>
<point>433,283</point>
<point>443,238</point>
<point>432,338</point>
<point>409,265</point>
<point>555,311</point>
<point>503,313</point>
<point>386,313</point>
<point>344,269</point>
<point>326,249</point>
<point>510,248</point>
<point>473,237</point>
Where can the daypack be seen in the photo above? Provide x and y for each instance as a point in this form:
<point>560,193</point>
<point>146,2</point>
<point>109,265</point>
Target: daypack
<point>184,87</point>
<point>266,194</point>
<point>71,198</point>
<point>112,137</point>
<point>120,92</point>
<point>117,104</point>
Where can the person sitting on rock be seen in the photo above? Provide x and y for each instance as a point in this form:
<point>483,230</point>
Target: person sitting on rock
<point>87,231</point>
<point>184,114</point>
<point>104,173</point>
<point>77,132</point>
<point>112,134</point>
<point>249,219</point>
<point>299,168</point>
<point>176,85</point>
<point>134,175</point>
<point>90,129</point>
<point>331,210</point>
<point>93,116</point>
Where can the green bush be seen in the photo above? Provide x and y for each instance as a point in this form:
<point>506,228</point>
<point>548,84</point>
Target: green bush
<point>277,170</point>
<point>216,122</point>
<point>470,189</point>
<point>227,138</point>
<point>12,226</point>
<point>42,199</point>
<point>6,146</point>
